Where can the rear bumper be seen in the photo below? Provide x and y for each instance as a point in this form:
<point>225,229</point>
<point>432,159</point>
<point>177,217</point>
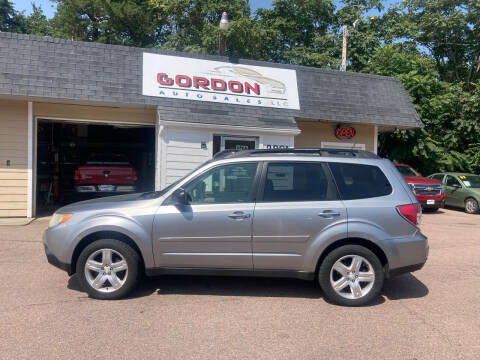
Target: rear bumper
<point>53,260</point>
<point>406,254</point>
<point>404,270</point>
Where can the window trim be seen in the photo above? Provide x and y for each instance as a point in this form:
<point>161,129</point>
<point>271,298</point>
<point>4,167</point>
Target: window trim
<point>262,181</point>
<point>253,191</point>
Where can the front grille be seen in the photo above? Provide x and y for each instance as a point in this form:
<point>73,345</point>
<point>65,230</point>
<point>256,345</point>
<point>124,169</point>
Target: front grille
<point>426,189</point>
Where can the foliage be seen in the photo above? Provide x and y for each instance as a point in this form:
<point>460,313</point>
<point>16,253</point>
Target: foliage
<point>10,20</point>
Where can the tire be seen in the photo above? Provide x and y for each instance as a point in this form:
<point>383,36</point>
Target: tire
<point>108,277</point>
<point>471,206</point>
<point>370,269</point>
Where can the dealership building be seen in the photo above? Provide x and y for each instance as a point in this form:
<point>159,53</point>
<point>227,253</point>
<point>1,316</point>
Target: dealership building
<point>167,112</point>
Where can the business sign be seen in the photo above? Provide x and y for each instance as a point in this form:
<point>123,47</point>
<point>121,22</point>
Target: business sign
<point>222,82</point>
<point>345,132</point>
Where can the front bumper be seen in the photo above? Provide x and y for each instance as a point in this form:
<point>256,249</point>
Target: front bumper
<point>53,260</point>
<point>431,201</point>
<point>105,189</point>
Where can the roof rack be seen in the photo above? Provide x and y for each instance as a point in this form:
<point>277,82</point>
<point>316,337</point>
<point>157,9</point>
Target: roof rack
<point>294,151</point>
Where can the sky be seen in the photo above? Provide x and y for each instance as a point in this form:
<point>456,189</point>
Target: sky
<point>49,6</point>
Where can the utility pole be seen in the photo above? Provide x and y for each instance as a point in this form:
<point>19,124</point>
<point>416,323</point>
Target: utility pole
<point>344,48</point>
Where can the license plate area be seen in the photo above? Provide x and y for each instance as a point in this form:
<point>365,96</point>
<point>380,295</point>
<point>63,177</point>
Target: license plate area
<point>430,202</point>
<point>106,188</point>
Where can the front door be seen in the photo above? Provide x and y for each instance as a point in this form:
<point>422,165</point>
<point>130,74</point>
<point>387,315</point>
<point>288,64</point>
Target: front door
<point>298,203</point>
<point>215,229</point>
<point>454,192</point>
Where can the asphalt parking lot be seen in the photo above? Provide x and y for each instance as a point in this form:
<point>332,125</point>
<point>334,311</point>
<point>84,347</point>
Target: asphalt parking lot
<point>433,313</point>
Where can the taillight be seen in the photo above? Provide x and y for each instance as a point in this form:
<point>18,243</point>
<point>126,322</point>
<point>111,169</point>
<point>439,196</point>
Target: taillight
<point>411,212</point>
<point>135,178</point>
<point>76,175</point>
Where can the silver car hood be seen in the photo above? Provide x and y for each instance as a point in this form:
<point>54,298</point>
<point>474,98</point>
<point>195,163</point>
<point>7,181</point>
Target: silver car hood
<point>109,202</point>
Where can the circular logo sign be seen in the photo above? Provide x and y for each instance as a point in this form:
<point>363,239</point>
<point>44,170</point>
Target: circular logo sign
<point>345,132</point>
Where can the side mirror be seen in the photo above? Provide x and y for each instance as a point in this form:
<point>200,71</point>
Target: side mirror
<point>179,197</point>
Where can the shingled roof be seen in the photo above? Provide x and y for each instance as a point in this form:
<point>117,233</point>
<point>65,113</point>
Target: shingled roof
<point>48,69</point>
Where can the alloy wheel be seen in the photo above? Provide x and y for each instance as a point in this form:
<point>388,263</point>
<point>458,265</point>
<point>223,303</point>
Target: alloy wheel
<point>106,270</point>
<point>352,276</point>
<point>471,206</point>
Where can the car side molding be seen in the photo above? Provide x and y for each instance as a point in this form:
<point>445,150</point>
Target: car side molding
<point>292,274</point>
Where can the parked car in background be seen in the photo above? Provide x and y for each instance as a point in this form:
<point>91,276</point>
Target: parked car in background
<point>461,190</point>
<point>105,173</point>
<point>344,218</point>
<point>429,192</point>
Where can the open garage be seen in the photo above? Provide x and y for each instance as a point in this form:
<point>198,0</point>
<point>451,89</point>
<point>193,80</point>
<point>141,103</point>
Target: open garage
<point>80,160</point>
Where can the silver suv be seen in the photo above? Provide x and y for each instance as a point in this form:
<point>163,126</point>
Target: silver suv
<point>345,218</point>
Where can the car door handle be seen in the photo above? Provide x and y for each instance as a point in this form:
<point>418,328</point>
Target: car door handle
<point>328,214</point>
<point>239,215</point>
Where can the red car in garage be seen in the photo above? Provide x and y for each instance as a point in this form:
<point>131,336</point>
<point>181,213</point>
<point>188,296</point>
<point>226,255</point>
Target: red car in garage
<point>105,173</point>
<point>429,192</point>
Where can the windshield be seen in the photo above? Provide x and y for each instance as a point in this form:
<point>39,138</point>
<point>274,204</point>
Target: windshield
<point>470,181</point>
<point>406,170</point>
<point>156,194</point>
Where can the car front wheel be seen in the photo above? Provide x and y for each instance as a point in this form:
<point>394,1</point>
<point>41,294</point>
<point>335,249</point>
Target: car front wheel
<point>471,206</point>
<point>108,269</point>
<point>351,275</point>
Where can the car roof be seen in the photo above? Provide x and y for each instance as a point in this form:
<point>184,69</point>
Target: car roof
<point>320,152</point>
<point>455,173</point>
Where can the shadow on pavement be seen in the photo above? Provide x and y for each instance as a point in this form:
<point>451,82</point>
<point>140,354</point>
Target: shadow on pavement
<point>402,287</point>
<point>405,286</point>
<point>431,211</point>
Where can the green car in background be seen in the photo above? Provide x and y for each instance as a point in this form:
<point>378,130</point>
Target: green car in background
<point>461,190</point>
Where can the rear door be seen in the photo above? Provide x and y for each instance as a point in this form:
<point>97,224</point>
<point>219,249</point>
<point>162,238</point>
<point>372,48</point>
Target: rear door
<point>296,203</point>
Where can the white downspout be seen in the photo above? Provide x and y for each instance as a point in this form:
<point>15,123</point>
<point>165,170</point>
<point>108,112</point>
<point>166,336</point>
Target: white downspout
<point>159,127</point>
<point>30,144</point>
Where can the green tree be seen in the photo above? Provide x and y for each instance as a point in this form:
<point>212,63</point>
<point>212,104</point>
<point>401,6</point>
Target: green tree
<point>37,23</point>
<point>129,22</point>
<point>447,29</point>
<point>302,32</point>
<point>10,20</point>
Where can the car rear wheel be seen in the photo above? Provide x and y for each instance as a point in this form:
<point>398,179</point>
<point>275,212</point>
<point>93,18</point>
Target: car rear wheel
<point>471,206</point>
<point>108,269</point>
<point>351,275</point>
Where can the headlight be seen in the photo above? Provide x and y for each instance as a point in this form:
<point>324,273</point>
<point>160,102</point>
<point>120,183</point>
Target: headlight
<point>58,219</point>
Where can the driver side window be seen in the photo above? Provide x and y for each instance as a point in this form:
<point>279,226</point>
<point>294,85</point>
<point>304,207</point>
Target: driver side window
<point>232,183</point>
<point>451,181</point>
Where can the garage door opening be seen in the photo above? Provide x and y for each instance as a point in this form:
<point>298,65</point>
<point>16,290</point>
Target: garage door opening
<point>81,161</point>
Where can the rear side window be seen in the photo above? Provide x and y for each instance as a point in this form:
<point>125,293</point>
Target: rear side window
<point>358,181</point>
<point>298,181</point>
